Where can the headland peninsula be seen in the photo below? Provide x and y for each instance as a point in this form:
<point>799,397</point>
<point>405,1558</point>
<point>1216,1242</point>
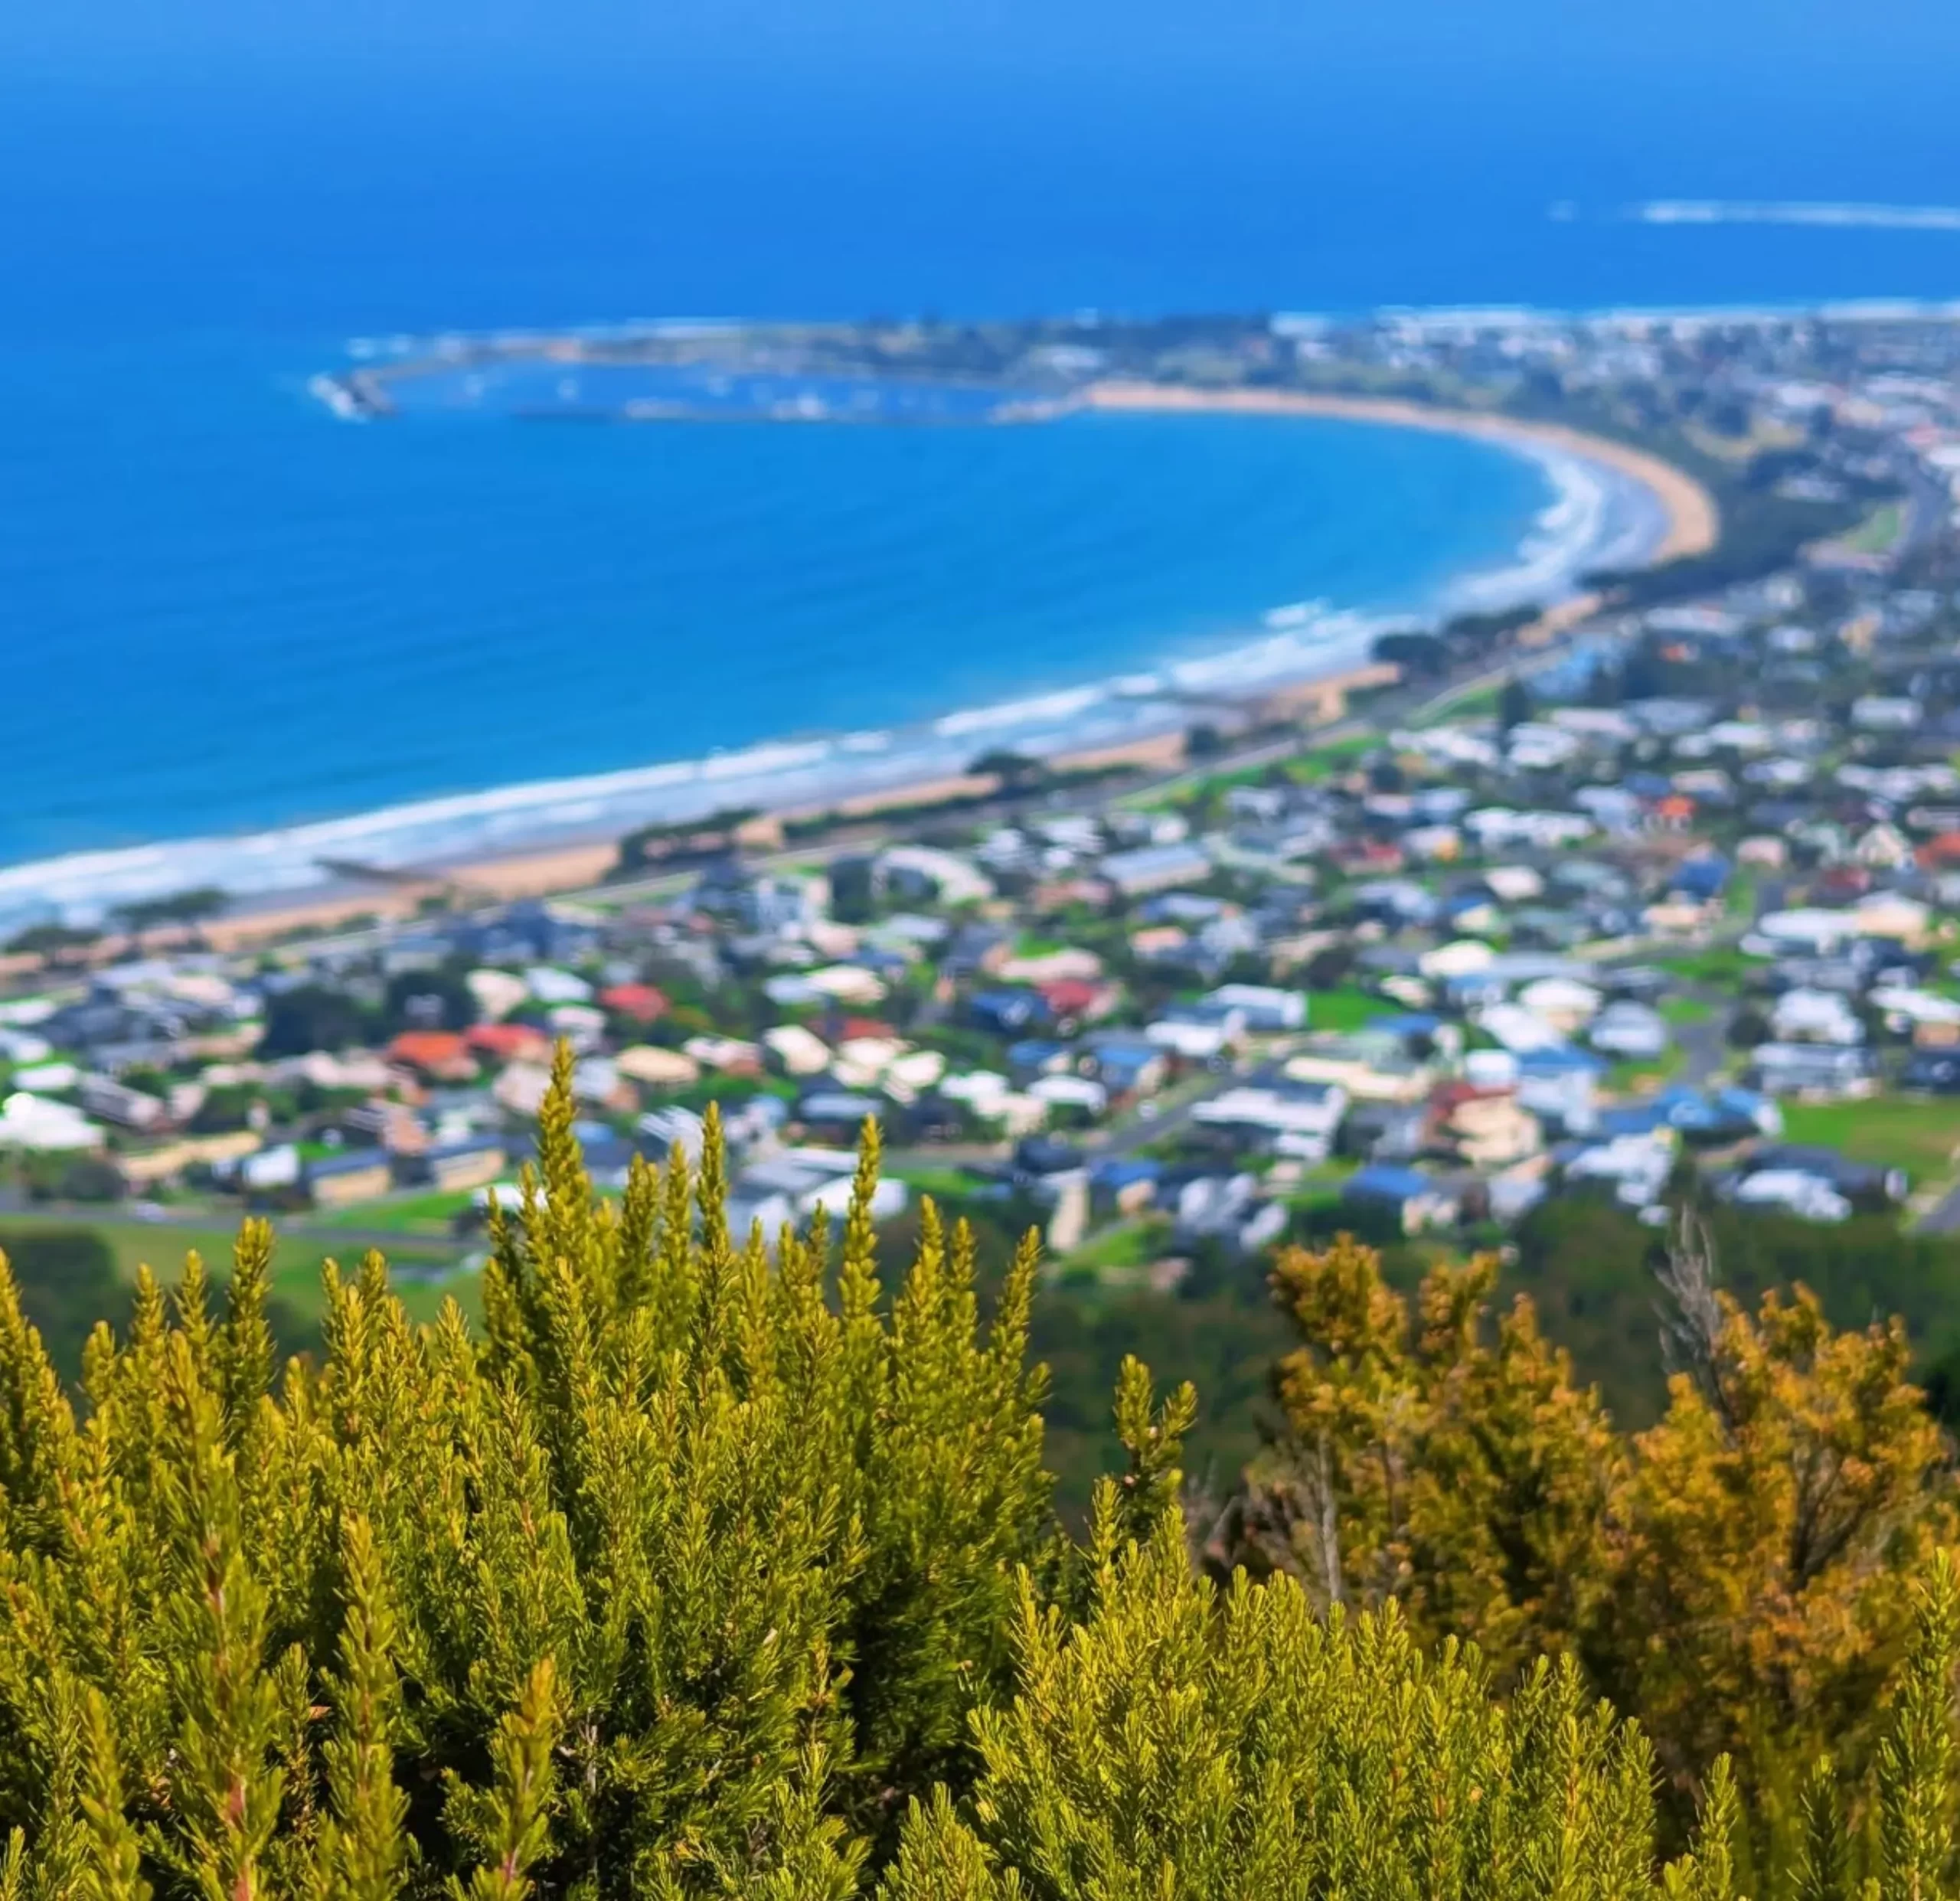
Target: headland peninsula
<point>928,373</point>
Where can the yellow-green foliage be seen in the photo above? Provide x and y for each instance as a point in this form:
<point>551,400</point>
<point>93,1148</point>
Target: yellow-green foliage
<point>708,1572</point>
<point>673,1576</point>
<point>1739,1576</point>
<point>1182,1743</point>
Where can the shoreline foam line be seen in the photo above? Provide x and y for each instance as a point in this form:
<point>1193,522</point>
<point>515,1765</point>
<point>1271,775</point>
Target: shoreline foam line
<point>1596,519</point>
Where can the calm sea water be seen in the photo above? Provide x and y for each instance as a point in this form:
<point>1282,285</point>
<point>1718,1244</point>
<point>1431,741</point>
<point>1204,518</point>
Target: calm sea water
<point>220,610</point>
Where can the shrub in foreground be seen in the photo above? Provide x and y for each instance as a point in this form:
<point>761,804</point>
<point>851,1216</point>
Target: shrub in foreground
<point>1739,1576</point>
<point>703,1572</point>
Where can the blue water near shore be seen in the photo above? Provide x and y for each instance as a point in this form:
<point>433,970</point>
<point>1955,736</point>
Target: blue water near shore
<point>221,610</point>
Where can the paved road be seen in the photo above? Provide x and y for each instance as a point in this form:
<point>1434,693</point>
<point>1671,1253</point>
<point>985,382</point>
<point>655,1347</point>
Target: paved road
<point>1704,1045</point>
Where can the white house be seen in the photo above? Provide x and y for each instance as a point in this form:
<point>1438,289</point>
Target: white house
<point>1301,1121</point>
<point>1632,1032</point>
<point>1264,1008</point>
<point>31,1121</point>
<point>1638,1166</point>
<point>797,1051</point>
<point>1814,1016</point>
<point>1195,1042</point>
<point>1800,1194</point>
<point>1518,1030</point>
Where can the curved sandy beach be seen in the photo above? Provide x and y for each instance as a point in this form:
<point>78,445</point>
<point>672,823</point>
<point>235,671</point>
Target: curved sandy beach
<point>1693,521</point>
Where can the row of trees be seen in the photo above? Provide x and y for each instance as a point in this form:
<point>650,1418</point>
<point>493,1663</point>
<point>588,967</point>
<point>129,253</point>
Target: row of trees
<point>700,1570</point>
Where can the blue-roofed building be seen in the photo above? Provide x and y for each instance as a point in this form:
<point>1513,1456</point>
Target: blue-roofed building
<point>1632,1118</point>
<point>1180,907</point>
<point>1126,1062</point>
<point>1702,877</point>
<point>1406,1196</point>
<point>1560,1059</point>
<point>1038,1056</point>
<point>1009,1013</point>
<point>1123,1184</point>
<point>1470,989</point>
<point>532,931</point>
<point>839,1115</point>
<point>1726,1115</point>
<point>1748,1112</point>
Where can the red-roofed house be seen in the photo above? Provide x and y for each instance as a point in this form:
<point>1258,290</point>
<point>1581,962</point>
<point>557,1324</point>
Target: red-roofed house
<point>1076,1000</point>
<point>509,1042</point>
<point>441,1054</point>
<point>641,1003</point>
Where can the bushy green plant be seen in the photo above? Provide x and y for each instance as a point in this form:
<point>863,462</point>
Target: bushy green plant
<point>706,1570</point>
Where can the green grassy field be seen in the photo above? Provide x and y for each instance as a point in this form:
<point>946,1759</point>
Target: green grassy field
<point>1641,1079</point>
<point>1125,1244</point>
<point>1321,762</point>
<point>431,1214</point>
<point>1721,964</point>
<point>1348,1008</point>
<point>1915,1133</point>
<point>1467,703</point>
<point>942,1185</point>
<point>426,1275</point>
<point>1879,530</point>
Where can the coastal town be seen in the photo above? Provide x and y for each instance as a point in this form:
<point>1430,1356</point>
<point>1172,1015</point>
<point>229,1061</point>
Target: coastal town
<point>1648,898</point>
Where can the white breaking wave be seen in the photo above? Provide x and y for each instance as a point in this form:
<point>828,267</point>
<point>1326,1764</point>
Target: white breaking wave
<point>1017,712</point>
<point>1876,217</point>
<point>1597,519</point>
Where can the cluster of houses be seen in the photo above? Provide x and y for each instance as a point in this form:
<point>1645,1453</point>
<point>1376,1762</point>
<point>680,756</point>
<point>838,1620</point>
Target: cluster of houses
<point>1427,979</point>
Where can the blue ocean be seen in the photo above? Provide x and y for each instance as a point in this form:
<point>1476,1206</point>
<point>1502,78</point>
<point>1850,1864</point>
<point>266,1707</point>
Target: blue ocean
<point>222,611</point>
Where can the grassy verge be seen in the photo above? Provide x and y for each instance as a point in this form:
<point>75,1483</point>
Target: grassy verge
<point>1642,1079</point>
<point>1917,1134</point>
<point>1471,702</point>
<point>1119,1247</point>
<point>424,1275</point>
<point>1321,762</point>
<point>1879,532</point>
<point>430,1214</point>
<point>1348,1008</point>
<point>1721,963</point>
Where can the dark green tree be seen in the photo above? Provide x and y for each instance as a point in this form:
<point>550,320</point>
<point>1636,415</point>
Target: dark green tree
<point>311,1016</point>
